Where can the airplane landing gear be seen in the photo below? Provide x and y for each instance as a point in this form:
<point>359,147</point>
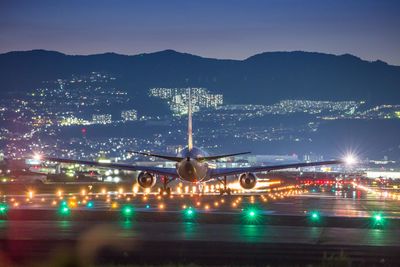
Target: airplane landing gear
<point>165,190</point>
<point>224,190</point>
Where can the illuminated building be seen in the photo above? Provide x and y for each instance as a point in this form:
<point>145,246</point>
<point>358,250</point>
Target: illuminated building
<point>129,115</point>
<point>101,118</point>
<point>177,98</point>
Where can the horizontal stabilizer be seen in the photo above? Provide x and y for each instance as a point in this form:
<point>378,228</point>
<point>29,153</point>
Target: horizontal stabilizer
<point>171,158</point>
<point>221,156</point>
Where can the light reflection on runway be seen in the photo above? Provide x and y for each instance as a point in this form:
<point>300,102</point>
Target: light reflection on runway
<point>328,204</point>
<point>153,231</point>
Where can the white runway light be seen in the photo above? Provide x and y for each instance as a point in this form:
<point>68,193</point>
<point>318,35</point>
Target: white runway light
<point>350,159</point>
<point>37,156</point>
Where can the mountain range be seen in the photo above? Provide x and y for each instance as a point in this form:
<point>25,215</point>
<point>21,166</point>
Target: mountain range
<point>260,79</point>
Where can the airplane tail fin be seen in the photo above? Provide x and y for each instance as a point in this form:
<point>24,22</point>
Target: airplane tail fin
<point>190,132</point>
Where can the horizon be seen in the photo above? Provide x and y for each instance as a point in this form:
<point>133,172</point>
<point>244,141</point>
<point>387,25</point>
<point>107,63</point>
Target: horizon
<point>222,30</point>
<point>201,56</point>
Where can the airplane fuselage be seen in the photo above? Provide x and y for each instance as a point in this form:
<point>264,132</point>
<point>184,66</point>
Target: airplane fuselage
<point>189,168</point>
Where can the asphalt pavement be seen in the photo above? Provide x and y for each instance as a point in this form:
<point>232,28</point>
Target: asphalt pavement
<point>280,231</point>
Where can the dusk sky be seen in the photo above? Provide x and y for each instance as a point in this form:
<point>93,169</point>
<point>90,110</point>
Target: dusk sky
<point>221,29</point>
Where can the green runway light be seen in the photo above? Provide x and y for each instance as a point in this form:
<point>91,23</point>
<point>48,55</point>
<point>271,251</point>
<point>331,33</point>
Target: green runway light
<point>189,213</point>
<point>64,210</point>
<point>315,216</point>
<point>378,219</point>
<point>251,214</point>
<point>3,208</point>
<point>127,211</point>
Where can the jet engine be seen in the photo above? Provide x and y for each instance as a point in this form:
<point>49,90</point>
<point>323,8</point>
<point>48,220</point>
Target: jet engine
<point>146,180</point>
<point>247,180</point>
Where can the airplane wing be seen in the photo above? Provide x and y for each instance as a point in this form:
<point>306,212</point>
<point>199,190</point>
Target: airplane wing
<point>233,171</point>
<point>155,170</point>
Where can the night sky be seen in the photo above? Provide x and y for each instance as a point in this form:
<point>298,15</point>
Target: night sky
<point>221,29</point>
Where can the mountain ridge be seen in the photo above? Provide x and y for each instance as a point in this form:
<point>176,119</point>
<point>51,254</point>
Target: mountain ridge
<point>260,79</point>
<point>173,51</point>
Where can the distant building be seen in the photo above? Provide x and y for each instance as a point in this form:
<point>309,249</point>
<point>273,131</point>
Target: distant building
<point>101,118</point>
<point>312,157</point>
<point>383,174</point>
<point>174,149</point>
<point>177,98</point>
<point>268,159</point>
<point>129,115</point>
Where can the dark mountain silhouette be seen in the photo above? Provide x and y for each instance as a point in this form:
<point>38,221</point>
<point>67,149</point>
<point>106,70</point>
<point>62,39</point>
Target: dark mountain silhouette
<point>264,78</point>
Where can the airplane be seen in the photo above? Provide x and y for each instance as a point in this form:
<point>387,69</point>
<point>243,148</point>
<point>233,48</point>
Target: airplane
<point>192,165</point>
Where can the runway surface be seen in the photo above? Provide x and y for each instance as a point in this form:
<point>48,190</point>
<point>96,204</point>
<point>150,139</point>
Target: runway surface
<point>282,231</point>
<point>166,231</point>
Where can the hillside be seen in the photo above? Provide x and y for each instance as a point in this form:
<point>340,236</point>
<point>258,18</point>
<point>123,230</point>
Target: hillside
<point>264,78</point>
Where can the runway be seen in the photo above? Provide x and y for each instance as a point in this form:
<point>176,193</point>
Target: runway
<point>281,230</point>
<point>189,231</point>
